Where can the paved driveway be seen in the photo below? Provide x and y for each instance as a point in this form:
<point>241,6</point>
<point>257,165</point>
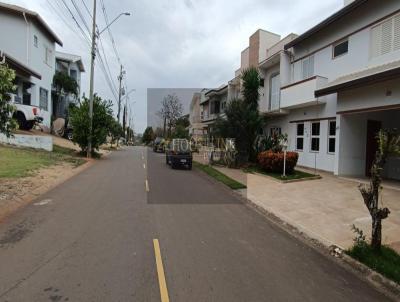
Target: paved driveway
<point>325,208</point>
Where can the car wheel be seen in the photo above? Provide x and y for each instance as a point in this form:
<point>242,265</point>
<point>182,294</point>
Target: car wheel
<point>70,135</point>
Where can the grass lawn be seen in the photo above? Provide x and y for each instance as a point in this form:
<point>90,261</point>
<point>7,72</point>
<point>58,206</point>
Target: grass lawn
<point>231,183</point>
<point>386,262</point>
<point>20,162</point>
<point>295,175</point>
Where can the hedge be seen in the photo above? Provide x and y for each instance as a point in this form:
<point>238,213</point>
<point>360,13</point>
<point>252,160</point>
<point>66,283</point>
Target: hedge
<point>273,161</point>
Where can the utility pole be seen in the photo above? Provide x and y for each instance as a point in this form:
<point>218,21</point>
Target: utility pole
<point>89,149</point>
<point>121,73</point>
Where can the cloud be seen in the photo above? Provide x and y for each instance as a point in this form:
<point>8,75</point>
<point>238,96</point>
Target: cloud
<point>174,43</point>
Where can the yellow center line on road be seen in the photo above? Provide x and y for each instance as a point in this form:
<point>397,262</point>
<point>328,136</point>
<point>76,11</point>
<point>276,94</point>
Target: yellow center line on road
<point>147,185</point>
<point>160,271</point>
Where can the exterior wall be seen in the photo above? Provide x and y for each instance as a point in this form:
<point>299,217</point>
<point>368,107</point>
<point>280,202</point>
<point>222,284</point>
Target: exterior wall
<point>321,160</point>
<point>349,157</point>
<point>30,141</point>
<point>244,60</point>
<point>38,63</point>
<point>265,91</point>
<point>376,95</point>
<point>21,47</point>
<point>353,139</point>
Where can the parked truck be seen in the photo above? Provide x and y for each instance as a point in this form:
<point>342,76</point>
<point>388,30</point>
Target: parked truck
<point>26,115</point>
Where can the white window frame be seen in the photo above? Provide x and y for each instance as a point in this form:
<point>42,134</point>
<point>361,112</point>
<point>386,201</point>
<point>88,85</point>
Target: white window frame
<point>315,137</point>
<point>309,71</point>
<point>274,96</point>
<point>300,136</point>
<point>35,41</point>
<point>331,136</point>
<point>48,56</point>
<point>41,89</point>
<point>337,44</point>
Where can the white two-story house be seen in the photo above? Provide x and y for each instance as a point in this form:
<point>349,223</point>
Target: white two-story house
<point>71,65</point>
<point>29,47</point>
<point>333,87</point>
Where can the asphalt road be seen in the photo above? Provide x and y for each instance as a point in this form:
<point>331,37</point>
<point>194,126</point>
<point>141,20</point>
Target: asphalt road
<point>91,239</point>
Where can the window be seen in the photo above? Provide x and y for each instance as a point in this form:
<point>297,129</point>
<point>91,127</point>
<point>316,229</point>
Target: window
<point>385,37</point>
<point>274,131</point>
<point>300,137</point>
<point>73,74</point>
<point>308,67</point>
<point>43,104</point>
<point>35,41</point>
<point>331,136</point>
<point>48,59</point>
<point>261,82</point>
<point>340,48</point>
<point>275,92</point>
<point>315,132</point>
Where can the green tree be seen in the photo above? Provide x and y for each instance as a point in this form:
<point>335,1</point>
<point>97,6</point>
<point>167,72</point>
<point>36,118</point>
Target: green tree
<point>242,120</point>
<point>116,131</point>
<point>64,83</point>
<point>7,123</point>
<point>148,135</point>
<point>388,144</point>
<point>251,84</point>
<point>102,122</point>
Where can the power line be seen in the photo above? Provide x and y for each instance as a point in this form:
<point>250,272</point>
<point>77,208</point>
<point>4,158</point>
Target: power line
<point>107,76</point>
<point>80,15</point>
<point>87,9</point>
<point>109,31</point>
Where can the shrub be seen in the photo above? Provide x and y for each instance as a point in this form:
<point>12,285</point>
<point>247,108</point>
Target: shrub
<point>273,161</point>
<point>102,120</point>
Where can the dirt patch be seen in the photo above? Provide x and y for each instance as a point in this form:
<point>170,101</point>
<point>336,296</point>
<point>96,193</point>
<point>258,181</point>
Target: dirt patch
<point>17,192</point>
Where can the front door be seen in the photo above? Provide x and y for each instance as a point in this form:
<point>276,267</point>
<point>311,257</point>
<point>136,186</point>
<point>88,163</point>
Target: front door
<point>373,128</point>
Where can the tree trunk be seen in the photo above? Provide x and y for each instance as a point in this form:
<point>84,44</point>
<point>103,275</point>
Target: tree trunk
<point>376,239</point>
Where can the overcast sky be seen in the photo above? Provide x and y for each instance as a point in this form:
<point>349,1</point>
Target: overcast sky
<point>176,43</point>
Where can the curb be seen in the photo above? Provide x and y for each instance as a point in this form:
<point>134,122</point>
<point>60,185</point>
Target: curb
<point>335,253</point>
<point>289,180</point>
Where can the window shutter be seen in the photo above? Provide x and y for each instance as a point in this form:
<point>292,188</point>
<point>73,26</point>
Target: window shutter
<point>376,37</point>
<point>396,33</point>
<point>387,34</point>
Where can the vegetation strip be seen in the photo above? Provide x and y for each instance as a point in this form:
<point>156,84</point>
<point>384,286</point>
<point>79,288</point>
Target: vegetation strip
<point>21,162</point>
<point>231,183</point>
<point>296,175</point>
<point>386,261</point>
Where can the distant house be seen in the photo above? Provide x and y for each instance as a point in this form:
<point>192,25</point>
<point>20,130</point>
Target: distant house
<point>72,66</point>
<point>29,46</point>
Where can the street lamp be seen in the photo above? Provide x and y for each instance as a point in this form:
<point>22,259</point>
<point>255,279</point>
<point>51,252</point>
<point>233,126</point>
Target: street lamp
<point>115,19</point>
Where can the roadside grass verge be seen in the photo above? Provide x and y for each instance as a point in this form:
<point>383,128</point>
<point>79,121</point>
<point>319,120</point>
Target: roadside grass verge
<point>295,175</point>
<point>20,162</point>
<point>231,183</point>
<point>386,262</point>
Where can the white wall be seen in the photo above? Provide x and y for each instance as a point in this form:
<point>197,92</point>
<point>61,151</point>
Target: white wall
<point>353,140</point>
<point>17,40</point>
<point>376,95</point>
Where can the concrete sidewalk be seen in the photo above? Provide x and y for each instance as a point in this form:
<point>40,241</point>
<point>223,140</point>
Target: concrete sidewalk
<point>324,209</point>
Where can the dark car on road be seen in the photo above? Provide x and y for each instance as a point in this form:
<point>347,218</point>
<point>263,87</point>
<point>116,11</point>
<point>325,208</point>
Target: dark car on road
<point>158,144</point>
<point>178,154</point>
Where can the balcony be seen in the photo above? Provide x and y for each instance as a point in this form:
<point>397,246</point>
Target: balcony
<point>301,94</point>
